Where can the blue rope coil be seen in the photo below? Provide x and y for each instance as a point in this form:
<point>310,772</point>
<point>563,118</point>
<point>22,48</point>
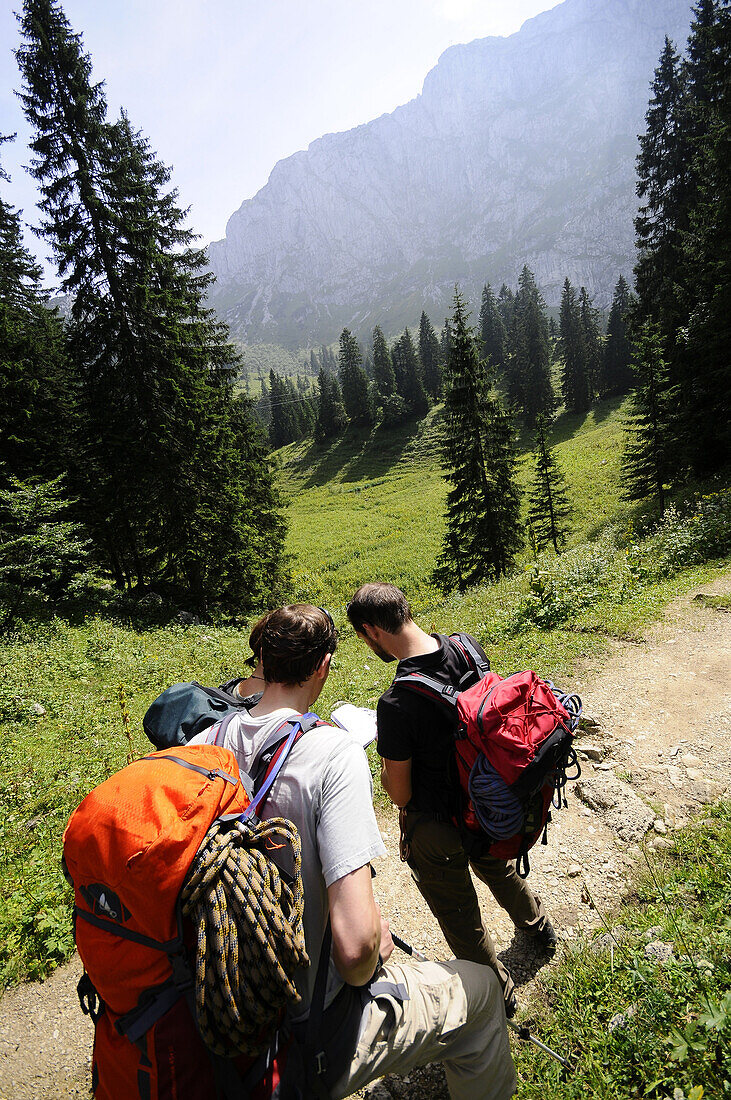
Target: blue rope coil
<point>497,809</point>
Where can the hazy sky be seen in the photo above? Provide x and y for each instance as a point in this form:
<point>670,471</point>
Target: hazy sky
<point>224,89</point>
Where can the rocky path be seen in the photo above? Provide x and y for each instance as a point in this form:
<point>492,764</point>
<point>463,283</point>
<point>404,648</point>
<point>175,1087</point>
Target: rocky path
<point>656,748</point>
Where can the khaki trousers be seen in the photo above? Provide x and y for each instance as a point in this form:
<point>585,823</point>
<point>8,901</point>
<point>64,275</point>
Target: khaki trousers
<point>452,1013</point>
<point>442,873</point>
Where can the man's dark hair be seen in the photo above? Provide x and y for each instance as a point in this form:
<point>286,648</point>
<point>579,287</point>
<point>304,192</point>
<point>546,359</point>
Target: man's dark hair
<point>381,605</point>
<point>255,639</point>
<point>294,640</point>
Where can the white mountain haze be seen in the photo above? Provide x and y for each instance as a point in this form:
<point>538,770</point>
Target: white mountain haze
<point>518,150</point>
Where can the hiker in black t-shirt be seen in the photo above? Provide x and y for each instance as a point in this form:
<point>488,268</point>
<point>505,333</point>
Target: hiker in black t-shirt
<point>415,743</point>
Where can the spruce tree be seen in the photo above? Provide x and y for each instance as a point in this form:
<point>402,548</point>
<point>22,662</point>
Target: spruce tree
<point>492,330</point>
<point>353,381</point>
<point>616,369</point>
<point>408,375</point>
<point>172,471</point>
<point>383,374</point>
<point>445,342</point>
<point>574,381</point>
<point>529,368</point>
<point>505,304</point>
<point>650,454</point>
<point>430,358</point>
<point>478,457</point>
<point>706,365</point>
<point>663,172</point>
<point>548,503</point>
<point>37,408</point>
<point>592,340</point>
<point>285,424</point>
<point>331,418</point>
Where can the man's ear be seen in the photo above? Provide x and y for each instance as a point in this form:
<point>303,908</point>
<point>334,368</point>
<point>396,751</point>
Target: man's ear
<point>324,666</point>
<point>367,632</point>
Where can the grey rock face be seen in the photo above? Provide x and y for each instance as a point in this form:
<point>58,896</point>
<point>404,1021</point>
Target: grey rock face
<point>518,150</point>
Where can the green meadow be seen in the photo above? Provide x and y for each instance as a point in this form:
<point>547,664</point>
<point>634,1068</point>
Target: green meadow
<point>371,506</point>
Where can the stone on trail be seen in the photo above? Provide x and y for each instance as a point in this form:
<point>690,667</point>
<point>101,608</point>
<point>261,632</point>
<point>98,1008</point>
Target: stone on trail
<point>623,812</point>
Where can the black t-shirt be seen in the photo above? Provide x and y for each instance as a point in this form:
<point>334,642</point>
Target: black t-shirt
<point>413,726</point>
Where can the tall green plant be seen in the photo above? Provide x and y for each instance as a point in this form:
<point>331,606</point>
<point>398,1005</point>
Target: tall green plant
<point>42,549</point>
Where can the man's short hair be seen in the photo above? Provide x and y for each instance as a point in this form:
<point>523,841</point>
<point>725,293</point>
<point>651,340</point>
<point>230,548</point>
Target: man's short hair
<point>381,605</point>
<point>294,640</point>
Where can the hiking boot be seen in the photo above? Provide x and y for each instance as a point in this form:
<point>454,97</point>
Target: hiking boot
<point>546,938</point>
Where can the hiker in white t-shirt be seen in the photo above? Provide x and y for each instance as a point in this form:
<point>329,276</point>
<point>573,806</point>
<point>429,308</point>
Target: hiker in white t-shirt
<point>379,1015</point>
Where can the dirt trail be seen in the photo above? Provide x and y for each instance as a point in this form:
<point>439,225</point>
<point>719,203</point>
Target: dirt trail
<point>660,748</point>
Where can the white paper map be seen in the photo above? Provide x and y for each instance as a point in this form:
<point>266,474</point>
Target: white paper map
<point>358,721</point>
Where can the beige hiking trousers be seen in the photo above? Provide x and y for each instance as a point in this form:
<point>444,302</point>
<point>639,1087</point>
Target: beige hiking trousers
<point>454,1014</point>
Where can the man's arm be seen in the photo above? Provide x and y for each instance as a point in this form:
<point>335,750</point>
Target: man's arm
<point>359,932</point>
<point>396,780</point>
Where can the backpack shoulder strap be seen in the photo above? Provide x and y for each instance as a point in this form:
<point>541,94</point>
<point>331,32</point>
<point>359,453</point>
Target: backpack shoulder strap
<point>428,685</point>
<point>284,743</point>
<point>477,660</point>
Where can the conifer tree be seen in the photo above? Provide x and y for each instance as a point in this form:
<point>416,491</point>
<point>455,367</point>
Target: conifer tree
<point>706,365</point>
<point>331,417</point>
<point>650,454</point>
<point>285,424</point>
<point>383,374</point>
<point>478,457</point>
<point>548,503</point>
<point>430,358</point>
<point>663,167</point>
<point>492,330</point>
<point>574,381</point>
<point>408,375</point>
<point>505,304</point>
<point>353,381</point>
<point>168,453</point>
<point>36,411</point>
<point>529,368</point>
<point>592,340</point>
<point>445,342</point>
<point>616,371</point>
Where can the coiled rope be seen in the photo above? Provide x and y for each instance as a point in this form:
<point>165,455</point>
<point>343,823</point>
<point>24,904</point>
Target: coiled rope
<point>250,938</point>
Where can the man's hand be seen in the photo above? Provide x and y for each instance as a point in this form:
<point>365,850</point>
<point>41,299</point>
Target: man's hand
<point>387,944</point>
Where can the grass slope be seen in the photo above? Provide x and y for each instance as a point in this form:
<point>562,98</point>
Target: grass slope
<point>372,506</point>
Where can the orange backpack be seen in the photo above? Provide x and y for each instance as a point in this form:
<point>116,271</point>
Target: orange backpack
<point>127,850</point>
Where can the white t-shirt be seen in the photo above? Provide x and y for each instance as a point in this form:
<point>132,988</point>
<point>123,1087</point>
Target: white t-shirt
<point>325,788</point>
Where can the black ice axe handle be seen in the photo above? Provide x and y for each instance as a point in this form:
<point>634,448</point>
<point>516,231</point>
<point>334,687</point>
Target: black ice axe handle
<point>521,1031</point>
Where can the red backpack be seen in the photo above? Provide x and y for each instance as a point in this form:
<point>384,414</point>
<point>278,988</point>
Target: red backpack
<point>513,745</point>
<point>128,848</point>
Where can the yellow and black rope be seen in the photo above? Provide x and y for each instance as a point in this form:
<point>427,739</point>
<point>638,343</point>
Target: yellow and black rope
<point>250,938</point>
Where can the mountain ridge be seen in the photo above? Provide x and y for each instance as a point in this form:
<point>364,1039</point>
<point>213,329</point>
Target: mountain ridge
<point>517,150</point>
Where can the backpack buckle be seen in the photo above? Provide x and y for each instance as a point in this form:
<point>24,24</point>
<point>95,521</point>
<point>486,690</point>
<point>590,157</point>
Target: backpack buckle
<point>320,1063</point>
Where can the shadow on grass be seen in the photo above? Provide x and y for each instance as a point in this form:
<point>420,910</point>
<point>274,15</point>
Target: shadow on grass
<point>568,425</point>
<point>357,455</point>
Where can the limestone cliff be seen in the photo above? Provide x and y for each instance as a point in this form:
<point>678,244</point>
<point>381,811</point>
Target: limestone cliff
<point>518,150</point>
